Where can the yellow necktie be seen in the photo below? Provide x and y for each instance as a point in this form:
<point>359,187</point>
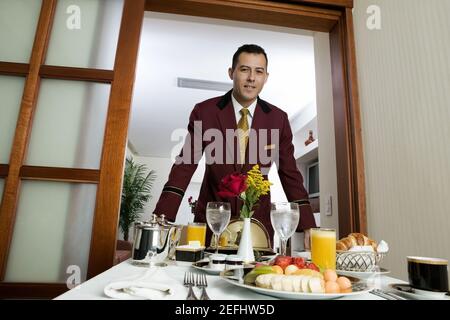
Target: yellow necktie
<point>243,135</point>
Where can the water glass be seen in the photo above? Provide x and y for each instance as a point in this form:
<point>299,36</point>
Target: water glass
<point>218,216</point>
<point>285,217</point>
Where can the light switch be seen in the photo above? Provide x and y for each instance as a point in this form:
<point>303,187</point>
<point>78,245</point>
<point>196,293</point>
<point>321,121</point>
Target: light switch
<point>328,206</point>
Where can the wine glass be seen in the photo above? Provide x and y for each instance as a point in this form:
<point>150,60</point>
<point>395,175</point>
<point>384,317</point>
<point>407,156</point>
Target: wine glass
<point>284,217</point>
<point>218,216</point>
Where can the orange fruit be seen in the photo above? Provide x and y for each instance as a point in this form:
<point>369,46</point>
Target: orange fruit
<point>344,283</point>
<point>278,269</point>
<point>330,275</point>
<point>332,287</point>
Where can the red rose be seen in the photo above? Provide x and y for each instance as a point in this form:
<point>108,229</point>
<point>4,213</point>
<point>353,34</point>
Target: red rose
<point>232,185</point>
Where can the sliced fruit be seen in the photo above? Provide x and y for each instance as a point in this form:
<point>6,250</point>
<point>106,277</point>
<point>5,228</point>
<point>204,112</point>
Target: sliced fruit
<point>316,285</point>
<point>299,262</point>
<point>309,272</point>
<point>290,269</point>
<point>287,283</point>
<point>305,284</point>
<point>283,261</point>
<point>297,283</point>
<point>275,282</point>
<point>312,266</point>
<point>251,276</point>
<point>263,280</point>
<point>277,269</point>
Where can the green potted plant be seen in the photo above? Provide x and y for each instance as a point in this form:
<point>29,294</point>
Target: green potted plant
<point>135,193</point>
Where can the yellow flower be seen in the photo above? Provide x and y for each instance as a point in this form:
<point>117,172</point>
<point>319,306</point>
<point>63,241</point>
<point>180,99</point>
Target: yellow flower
<point>256,187</point>
<point>256,181</point>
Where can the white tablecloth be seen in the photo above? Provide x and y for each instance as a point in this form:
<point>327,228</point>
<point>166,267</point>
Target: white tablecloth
<point>173,275</point>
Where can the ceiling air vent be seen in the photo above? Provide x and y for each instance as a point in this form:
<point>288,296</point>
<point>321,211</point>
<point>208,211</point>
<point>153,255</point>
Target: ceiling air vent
<point>204,84</point>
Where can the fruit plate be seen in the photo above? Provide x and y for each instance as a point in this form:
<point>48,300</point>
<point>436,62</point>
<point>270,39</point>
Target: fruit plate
<point>362,274</point>
<point>235,277</point>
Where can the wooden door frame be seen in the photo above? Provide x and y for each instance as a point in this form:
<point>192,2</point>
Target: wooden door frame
<point>330,16</point>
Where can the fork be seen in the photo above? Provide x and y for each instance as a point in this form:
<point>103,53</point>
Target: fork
<point>202,284</point>
<point>189,282</point>
<point>386,295</point>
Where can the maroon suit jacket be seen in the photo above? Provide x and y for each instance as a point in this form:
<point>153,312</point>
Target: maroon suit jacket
<point>218,113</point>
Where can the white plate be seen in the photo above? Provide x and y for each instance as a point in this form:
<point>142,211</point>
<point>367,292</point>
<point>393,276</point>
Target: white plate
<point>204,266</point>
<point>359,288</point>
<point>362,275</point>
<point>410,292</point>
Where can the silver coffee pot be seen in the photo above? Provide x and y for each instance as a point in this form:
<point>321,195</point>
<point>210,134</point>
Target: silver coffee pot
<point>155,240</point>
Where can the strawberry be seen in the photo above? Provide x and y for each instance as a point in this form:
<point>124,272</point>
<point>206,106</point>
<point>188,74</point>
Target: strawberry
<point>283,261</point>
<point>299,262</point>
<point>312,266</point>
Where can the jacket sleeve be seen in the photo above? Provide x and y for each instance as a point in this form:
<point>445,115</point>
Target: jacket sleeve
<point>291,178</point>
<point>184,167</point>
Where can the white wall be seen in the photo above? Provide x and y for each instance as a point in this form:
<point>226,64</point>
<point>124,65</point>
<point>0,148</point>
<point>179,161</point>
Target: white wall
<point>404,81</point>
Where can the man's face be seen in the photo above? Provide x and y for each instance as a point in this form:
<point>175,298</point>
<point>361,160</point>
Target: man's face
<point>249,76</point>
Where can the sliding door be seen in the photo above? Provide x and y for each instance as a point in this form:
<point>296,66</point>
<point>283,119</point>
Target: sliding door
<point>66,77</point>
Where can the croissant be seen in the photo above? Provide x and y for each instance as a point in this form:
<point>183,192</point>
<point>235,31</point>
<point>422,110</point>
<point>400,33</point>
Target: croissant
<point>355,239</point>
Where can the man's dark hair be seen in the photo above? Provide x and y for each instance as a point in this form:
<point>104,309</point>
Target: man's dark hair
<point>248,48</point>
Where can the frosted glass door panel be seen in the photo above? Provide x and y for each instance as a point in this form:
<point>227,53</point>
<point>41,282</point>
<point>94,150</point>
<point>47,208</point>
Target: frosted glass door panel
<point>11,91</point>
<point>18,22</point>
<point>69,124</point>
<point>85,33</point>
<point>52,232</point>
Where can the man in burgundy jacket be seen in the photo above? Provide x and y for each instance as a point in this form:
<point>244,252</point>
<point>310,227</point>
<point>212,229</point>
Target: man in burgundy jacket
<point>270,140</point>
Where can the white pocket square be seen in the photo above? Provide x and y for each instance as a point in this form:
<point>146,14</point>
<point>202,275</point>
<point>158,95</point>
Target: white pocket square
<point>269,147</point>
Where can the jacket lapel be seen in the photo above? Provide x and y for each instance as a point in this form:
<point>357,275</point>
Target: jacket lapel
<point>227,120</point>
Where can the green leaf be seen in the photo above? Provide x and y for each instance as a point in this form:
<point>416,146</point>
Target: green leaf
<point>136,188</point>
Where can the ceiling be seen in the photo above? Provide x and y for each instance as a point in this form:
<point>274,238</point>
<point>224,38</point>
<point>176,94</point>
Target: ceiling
<point>174,46</point>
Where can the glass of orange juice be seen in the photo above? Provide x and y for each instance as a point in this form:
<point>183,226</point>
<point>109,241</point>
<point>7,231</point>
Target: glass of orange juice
<point>196,231</point>
<point>323,248</point>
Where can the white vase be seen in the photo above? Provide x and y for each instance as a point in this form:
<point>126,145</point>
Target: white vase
<point>246,244</point>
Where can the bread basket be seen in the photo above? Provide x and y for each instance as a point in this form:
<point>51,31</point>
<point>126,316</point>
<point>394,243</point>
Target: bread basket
<point>360,261</point>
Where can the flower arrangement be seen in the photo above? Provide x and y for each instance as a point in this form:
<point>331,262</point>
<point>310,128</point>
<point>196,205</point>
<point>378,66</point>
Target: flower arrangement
<point>247,187</point>
<point>192,204</point>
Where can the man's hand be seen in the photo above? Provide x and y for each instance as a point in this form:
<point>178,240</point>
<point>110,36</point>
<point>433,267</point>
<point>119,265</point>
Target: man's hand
<point>307,240</point>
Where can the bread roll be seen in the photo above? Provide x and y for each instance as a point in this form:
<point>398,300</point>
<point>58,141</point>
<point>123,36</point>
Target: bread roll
<point>355,239</point>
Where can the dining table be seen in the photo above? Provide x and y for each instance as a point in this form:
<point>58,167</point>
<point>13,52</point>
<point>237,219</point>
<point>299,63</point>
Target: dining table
<point>172,276</point>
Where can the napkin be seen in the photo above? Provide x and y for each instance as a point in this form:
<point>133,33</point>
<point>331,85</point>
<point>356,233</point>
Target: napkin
<point>154,284</point>
<point>138,289</point>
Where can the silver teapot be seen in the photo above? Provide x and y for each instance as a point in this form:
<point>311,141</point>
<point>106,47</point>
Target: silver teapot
<point>155,241</point>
